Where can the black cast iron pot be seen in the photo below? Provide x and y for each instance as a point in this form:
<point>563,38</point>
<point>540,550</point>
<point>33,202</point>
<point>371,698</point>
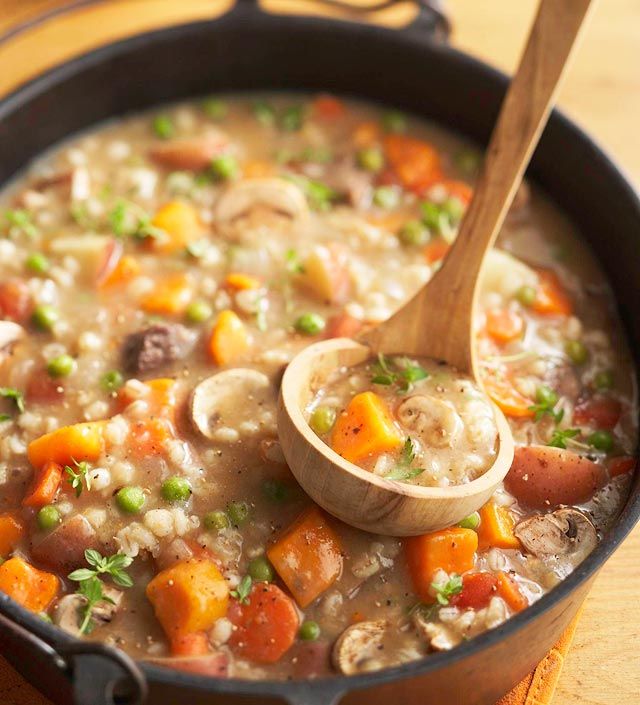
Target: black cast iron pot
<point>413,69</point>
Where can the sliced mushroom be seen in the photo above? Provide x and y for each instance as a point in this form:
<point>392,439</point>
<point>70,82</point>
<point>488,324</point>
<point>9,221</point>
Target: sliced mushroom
<point>228,398</point>
<point>435,421</point>
<point>357,649</point>
<point>565,532</point>
<point>440,637</point>
<point>273,193</point>
<point>68,613</point>
<point>10,333</point>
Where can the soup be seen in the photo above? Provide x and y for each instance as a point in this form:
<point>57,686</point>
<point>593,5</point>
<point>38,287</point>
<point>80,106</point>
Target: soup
<point>158,273</point>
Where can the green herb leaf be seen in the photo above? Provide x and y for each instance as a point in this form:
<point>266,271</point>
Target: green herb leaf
<point>403,470</point>
<point>561,436</point>
<point>445,592</point>
<point>21,221</point>
<point>15,394</point>
<point>243,591</point>
<point>78,477</point>
<point>292,260</point>
<point>546,400</point>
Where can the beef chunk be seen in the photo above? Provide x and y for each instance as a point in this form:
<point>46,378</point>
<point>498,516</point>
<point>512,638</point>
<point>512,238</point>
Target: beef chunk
<point>155,346</point>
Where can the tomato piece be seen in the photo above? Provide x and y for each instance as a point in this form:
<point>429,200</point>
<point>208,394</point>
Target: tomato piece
<point>477,591</point>
<point>343,325</point>
<point>15,300</point>
<point>601,412</point>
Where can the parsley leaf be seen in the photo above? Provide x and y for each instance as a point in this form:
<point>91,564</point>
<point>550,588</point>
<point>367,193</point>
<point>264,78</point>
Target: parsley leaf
<point>243,591</point>
<point>16,395</point>
<point>129,219</point>
<point>444,592</point>
<point>561,436</point>
<point>546,400</point>
<point>21,221</point>
<point>78,476</point>
<point>400,371</point>
<point>403,470</point>
<point>293,264</point>
<point>92,592</point>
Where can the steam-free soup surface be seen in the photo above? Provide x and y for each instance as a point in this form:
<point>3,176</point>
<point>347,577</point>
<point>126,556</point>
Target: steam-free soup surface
<point>158,273</point>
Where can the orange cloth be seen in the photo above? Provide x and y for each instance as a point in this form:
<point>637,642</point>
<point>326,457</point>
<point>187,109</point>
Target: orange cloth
<point>536,689</point>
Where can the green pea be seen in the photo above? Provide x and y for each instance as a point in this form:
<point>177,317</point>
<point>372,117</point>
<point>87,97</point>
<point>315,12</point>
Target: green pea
<point>37,263</point>
<point>260,570</point>
<point>394,121</point>
<point>386,197</point>
<point>275,490</point>
<point>470,522</point>
<point>309,630</point>
<point>309,324</point>
<point>603,380</point>
<point>264,113</point>
<point>414,233</point>
<point>198,312</point>
<point>601,440</point>
<point>163,127</point>
<point>577,351</point>
<point>130,499</point>
<point>432,216</point>
<point>322,419</point>
<point>292,118</point>
<point>44,317</point>
<point>216,520</point>
<point>370,159</point>
<point>48,517</point>
<point>224,167</point>
<point>526,295</point>
<point>61,366</point>
<point>176,489</point>
<point>238,512</point>
<point>546,395</point>
<point>111,381</point>
<point>215,108</point>
<point>453,208</point>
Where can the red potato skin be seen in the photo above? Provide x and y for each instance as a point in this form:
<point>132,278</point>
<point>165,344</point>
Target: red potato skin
<point>191,154</point>
<point>543,477</point>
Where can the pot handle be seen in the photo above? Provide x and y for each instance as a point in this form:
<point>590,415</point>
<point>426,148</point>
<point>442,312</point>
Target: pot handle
<point>432,19</point>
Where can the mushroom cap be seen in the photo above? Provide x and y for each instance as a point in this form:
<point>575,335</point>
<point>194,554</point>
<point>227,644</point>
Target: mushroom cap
<point>357,649</point>
<point>224,399</point>
<point>564,532</point>
<point>275,193</point>
<point>434,420</point>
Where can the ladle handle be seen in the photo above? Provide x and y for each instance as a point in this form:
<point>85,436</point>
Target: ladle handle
<point>438,321</point>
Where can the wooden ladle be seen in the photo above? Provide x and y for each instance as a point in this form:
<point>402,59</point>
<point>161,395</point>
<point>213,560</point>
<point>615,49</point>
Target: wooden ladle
<point>438,321</point>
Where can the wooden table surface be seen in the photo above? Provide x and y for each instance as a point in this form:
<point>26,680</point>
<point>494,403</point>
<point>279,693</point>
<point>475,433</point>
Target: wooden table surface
<point>602,93</point>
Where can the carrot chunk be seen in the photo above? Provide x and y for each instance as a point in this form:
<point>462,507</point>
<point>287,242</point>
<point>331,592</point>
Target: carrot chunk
<point>436,250</point>
<point>509,591</point>
<point>161,397</point>
<point>11,531</point>
<point>364,429</point>
<point>238,280</point>
<point>32,588</point>
<point>168,297</point>
<point>551,298</point>
<point>229,339</point>
<point>459,189</point>
<point>496,527</point>
<point>266,626</point>
<point>366,133</point>
<point>307,556</point>
<point>328,107</point>
<point>191,644</point>
<point>188,597</point>
<point>66,445</point>
<point>507,397</point>
<point>181,224</point>
<point>128,268</point>
<point>44,486</point>
<point>416,163</point>
<point>452,550</point>
<point>504,325</point>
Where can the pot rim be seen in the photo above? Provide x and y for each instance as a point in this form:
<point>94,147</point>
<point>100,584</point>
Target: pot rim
<point>339,684</point>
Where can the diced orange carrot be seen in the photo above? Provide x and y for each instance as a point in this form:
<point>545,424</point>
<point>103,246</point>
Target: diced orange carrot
<point>69,444</point>
<point>307,556</point>
<point>328,107</point>
<point>188,597</point>
<point>238,280</point>
<point>191,644</point>
<point>496,527</point>
<point>436,250</point>
<point>504,324</point>
<point>128,268</point>
<point>459,190</point>
<point>600,412</point>
<point>365,428</point>
<point>168,297</point>
<point>366,133</point>
<point>44,486</point>
<point>507,397</point>
<point>452,550</point>
<point>161,398</point>
<point>416,163</point>
<point>11,531</point>
<point>621,465</point>
<point>551,297</point>
<point>32,588</point>
<point>266,626</point>
<point>229,339</point>
<point>389,221</point>
<point>148,437</point>
<point>181,224</point>
<point>509,591</point>
<point>343,325</point>
<point>256,169</point>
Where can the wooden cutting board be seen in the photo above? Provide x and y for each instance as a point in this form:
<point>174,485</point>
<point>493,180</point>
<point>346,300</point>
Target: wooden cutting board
<point>602,92</point>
